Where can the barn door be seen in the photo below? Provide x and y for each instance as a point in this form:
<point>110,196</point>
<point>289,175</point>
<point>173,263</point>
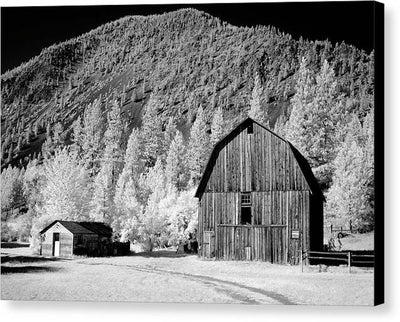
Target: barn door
<point>56,244</point>
<point>278,244</point>
<point>209,244</point>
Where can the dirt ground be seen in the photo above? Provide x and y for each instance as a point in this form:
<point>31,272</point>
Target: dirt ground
<point>167,277</point>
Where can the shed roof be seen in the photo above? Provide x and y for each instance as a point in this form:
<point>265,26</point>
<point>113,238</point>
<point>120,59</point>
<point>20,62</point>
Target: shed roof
<point>76,227</point>
<point>302,162</point>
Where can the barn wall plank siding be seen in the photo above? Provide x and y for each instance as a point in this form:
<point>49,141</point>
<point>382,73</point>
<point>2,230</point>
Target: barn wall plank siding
<point>258,199</point>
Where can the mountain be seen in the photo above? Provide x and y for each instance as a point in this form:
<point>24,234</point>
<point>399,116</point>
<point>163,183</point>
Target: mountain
<point>187,58</point>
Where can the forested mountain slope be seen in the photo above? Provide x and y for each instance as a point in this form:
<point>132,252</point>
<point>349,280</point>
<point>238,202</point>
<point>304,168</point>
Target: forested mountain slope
<point>185,60</point>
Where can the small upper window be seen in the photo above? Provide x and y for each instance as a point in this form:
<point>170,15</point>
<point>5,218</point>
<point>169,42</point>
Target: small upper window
<point>250,129</point>
<point>246,199</point>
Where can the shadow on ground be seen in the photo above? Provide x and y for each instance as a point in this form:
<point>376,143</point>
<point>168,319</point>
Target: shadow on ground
<point>161,253</point>
<point>13,245</point>
<point>27,269</point>
<point>28,259</point>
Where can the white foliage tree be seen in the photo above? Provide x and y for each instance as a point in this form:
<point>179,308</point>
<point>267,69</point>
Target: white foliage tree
<point>65,192</point>
<point>217,126</point>
<point>257,112</point>
<point>198,147</point>
<point>175,169</point>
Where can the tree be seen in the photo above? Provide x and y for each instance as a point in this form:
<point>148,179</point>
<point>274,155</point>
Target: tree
<point>102,206</point>
<point>152,131</point>
<point>11,190</point>
<point>257,112</point>
<point>175,170</point>
<point>346,200</point>
<point>112,141</point>
<point>314,119</point>
<point>217,126</point>
<point>65,191</point>
<point>169,134</point>
<point>181,211</point>
<point>151,223</point>
<point>127,187</point>
<point>91,134</point>
<point>198,147</point>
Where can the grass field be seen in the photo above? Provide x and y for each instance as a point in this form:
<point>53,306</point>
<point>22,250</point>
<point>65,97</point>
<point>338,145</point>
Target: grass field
<point>354,241</point>
<point>166,277</point>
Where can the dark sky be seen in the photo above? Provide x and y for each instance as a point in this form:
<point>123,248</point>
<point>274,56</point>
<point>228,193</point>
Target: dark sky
<point>25,31</point>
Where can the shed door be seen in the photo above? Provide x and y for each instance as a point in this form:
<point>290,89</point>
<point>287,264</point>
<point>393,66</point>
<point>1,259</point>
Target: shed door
<point>56,244</point>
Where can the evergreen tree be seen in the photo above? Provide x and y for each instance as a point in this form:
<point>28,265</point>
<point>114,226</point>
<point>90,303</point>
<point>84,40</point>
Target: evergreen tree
<point>175,170</point>
<point>102,206</point>
<point>217,126</point>
<point>169,134</point>
<point>91,134</point>
<point>257,112</point>
<point>11,190</point>
<point>133,168</point>
<point>152,131</point>
<point>198,147</point>
<point>312,123</point>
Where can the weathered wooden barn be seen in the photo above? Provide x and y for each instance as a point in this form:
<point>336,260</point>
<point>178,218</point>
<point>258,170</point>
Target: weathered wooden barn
<point>258,199</point>
<point>67,238</point>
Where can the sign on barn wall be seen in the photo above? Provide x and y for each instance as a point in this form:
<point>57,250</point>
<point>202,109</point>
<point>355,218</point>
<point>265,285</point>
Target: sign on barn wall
<point>295,234</point>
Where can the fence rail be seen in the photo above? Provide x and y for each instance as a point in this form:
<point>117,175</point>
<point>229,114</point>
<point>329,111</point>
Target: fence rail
<point>350,258</point>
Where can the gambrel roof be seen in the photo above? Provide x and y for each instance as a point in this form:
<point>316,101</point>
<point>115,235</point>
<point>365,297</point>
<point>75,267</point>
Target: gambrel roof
<point>301,161</point>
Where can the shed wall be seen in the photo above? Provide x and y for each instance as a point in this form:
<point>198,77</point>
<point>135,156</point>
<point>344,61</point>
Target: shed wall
<point>66,241</point>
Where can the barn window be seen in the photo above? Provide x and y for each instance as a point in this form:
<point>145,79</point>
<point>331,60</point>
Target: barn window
<point>250,129</point>
<point>245,208</point>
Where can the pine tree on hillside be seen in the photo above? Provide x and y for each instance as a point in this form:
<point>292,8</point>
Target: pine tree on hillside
<point>133,167</point>
<point>112,141</point>
<point>198,149</point>
<point>102,205</point>
<point>91,133</point>
<point>11,190</point>
<point>323,125</point>
<point>152,131</point>
<point>175,169</point>
<point>77,136</point>
<point>299,119</point>
<point>257,112</point>
<point>312,124</point>
<point>169,134</point>
<point>217,126</point>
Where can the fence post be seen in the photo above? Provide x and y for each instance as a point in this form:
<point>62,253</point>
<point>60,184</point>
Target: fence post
<point>351,227</point>
<point>349,261</point>
<point>331,228</point>
<point>301,259</point>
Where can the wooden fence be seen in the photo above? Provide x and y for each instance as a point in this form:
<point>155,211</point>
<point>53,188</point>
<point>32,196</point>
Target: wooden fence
<point>340,229</point>
<point>350,258</point>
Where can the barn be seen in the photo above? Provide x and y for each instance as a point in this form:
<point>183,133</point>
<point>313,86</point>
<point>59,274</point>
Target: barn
<point>67,238</point>
<point>258,199</point>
